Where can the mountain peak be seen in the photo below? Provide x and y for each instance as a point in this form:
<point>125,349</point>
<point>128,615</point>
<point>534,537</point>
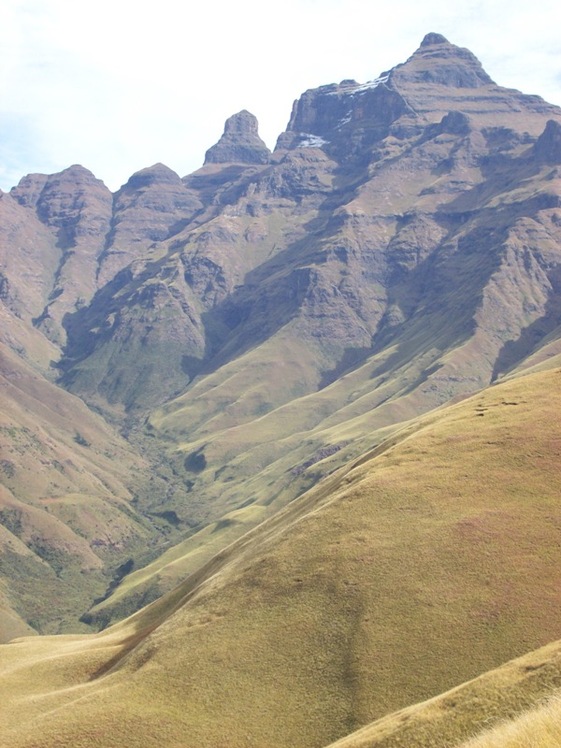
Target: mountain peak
<point>439,61</point>
<point>432,39</point>
<point>155,174</point>
<point>242,122</point>
<point>240,142</point>
<point>431,83</point>
<point>30,188</point>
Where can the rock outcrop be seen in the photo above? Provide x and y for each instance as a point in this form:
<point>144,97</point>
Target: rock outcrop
<point>548,146</point>
<point>240,142</point>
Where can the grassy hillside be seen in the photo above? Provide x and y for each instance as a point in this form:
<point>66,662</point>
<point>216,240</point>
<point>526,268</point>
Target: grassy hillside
<point>539,727</point>
<point>251,432</point>
<point>429,561</point>
<point>524,691</point>
<point>67,517</point>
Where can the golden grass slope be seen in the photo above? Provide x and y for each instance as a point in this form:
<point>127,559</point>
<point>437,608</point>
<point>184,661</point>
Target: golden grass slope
<point>410,572</point>
<point>490,699</point>
<point>537,728</point>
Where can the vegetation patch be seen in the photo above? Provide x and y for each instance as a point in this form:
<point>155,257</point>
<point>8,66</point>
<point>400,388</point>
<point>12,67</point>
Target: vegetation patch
<point>195,462</point>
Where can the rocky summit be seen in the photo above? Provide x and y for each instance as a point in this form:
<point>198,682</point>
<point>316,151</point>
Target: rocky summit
<point>240,142</point>
<point>192,366</point>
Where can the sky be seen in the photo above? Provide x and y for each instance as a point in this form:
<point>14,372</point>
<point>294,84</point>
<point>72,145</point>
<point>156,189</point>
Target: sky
<point>117,85</point>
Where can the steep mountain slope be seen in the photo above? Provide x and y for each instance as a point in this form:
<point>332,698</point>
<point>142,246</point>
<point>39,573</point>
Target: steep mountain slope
<point>74,236</point>
<point>259,323</point>
<point>378,198</point>
<point>385,585</point>
<point>68,213</point>
<point>67,520</point>
<point>400,247</point>
<point>70,520</point>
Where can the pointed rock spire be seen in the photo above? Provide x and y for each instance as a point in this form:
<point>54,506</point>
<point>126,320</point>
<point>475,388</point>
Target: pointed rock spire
<point>240,142</point>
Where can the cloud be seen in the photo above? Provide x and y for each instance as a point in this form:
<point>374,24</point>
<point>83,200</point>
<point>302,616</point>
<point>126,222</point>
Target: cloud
<point>118,85</point>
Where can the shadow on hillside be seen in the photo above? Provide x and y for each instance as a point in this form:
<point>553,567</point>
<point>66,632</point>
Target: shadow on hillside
<point>514,352</point>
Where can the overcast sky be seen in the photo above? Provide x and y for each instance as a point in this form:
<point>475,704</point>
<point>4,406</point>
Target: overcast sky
<point>117,85</point>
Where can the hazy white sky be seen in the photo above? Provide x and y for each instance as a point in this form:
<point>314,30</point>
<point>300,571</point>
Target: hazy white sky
<point>118,85</point>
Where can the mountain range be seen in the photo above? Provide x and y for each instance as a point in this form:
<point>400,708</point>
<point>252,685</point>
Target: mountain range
<point>283,431</point>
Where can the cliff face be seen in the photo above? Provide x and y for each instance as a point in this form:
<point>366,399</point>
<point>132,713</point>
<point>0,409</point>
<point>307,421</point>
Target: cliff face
<point>399,248</point>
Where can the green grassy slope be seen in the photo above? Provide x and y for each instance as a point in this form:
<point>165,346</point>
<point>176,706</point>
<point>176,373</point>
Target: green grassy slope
<point>415,569</point>
<point>67,482</point>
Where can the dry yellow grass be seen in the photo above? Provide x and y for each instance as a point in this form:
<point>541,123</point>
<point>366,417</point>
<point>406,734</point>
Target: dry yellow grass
<point>510,690</point>
<point>537,728</point>
<point>421,566</point>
